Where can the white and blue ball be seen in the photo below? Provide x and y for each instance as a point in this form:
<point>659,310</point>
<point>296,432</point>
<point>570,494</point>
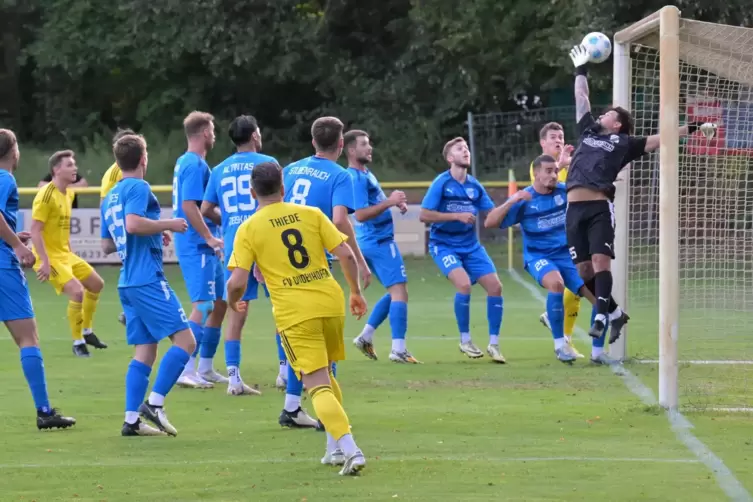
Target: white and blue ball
<point>598,46</point>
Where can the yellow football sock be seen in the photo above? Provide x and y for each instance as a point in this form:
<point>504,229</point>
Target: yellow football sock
<point>75,319</point>
<point>89,307</point>
<point>329,411</point>
<point>572,308</point>
<point>336,390</point>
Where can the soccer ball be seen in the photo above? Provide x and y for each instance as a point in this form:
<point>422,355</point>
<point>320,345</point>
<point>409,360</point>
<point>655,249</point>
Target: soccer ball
<point>598,46</point>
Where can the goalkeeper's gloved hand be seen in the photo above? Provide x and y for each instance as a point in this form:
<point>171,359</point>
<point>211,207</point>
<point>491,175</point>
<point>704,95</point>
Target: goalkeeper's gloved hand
<point>708,129</point>
<point>580,56</point>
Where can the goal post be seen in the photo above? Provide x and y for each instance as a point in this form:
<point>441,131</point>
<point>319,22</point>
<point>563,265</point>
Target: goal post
<point>684,215</point>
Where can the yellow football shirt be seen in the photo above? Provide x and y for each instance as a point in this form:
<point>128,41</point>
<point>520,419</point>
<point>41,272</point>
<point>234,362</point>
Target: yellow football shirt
<point>112,176</point>
<point>287,243</point>
<point>561,175</point>
<point>53,208</point>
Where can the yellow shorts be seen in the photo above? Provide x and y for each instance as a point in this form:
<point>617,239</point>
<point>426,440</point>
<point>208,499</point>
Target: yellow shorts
<point>64,269</point>
<point>312,344</point>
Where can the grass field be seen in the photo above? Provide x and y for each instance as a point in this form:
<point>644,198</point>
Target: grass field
<point>450,429</point>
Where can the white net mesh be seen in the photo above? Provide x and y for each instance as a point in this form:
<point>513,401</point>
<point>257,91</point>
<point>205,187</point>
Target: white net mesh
<point>715,262</point>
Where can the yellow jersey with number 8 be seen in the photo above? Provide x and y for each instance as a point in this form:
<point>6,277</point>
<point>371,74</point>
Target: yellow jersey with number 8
<point>287,242</point>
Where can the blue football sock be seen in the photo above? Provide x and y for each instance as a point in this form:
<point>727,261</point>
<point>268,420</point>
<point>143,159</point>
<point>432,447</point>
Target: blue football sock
<point>381,309</point>
<point>210,342</point>
<point>495,307</point>
<point>280,351</point>
<point>398,319</point>
<point>170,368</point>
<point>33,366</point>
<point>463,312</point>
<point>233,353</point>
<point>598,343</point>
<point>555,310</point>
<point>333,369</point>
<point>295,386</point>
<point>198,333</point>
<point>136,383</point>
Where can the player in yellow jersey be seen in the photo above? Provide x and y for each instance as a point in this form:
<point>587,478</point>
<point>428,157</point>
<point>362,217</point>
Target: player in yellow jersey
<point>287,242</point>
<point>55,262</point>
<point>110,178</point>
<point>552,141</point>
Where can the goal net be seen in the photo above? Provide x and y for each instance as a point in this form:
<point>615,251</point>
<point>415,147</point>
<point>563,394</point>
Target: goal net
<point>703,346</point>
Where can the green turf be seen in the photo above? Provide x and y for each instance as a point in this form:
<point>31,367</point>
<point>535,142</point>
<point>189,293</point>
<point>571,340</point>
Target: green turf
<point>449,429</point>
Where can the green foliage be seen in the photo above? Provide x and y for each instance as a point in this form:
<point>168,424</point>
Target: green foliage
<point>407,71</point>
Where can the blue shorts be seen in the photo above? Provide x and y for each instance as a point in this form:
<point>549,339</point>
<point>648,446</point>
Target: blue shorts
<point>475,261</point>
<point>386,262</point>
<point>563,263</point>
<point>252,290</point>
<point>203,274</point>
<point>15,301</point>
<point>152,312</point>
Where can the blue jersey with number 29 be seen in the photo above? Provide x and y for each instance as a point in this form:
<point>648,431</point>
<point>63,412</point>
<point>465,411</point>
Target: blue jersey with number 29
<point>318,182</point>
<point>229,188</point>
<point>141,254</point>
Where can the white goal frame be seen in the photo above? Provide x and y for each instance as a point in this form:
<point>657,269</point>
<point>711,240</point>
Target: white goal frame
<point>665,22</point>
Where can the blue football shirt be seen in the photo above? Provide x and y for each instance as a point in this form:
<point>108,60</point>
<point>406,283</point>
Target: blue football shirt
<point>367,192</point>
<point>447,195</point>
<point>318,182</point>
<point>141,254</point>
<point>229,188</point>
<point>190,178</point>
<point>542,223</point>
<point>9,210</point>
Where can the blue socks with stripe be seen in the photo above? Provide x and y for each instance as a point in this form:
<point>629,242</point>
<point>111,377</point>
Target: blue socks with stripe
<point>381,310</point>
<point>136,383</point>
<point>170,368</point>
<point>555,310</point>
<point>398,324</point>
<point>33,368</point>
<point>494,311</point>
<point>462,307</point>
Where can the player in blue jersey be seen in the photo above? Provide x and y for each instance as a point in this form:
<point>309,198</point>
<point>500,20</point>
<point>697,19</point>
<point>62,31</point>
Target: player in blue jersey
<point>229,189</point>
<point>15,303</point>
<point>375,232</point>
<point>451,205</point>
<point>132,228</point>
<point>318,181</point>
<point>197,251</point>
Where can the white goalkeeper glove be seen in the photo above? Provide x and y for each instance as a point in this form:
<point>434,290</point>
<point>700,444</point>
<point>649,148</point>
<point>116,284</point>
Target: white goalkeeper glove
<point>708,129</point>
<point>580,56</point>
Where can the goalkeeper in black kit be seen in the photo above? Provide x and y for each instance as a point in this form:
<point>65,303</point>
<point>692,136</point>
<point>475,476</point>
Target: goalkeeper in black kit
<point>605,146</point>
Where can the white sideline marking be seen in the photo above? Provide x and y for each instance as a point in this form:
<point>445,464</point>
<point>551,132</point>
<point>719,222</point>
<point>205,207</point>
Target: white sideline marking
<point>695,361</point>
<point>726,480</point>
<point>139,462</point>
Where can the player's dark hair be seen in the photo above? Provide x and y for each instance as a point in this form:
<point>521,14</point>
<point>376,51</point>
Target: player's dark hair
<point>241,129</point>
<point>551,126</point>
<point>128,151</point>
<point>120,133</point>
<point>450,144</point>
<point>195,122</point>
<point>541,159</point>
<point>57,158</point>
<point>326,133</point>
<point>350,137</point>
<point>7,142</point>
<point>625,118</point>
<point>266,179</point>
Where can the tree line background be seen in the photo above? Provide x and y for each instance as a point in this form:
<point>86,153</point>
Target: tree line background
<point>407,71</point>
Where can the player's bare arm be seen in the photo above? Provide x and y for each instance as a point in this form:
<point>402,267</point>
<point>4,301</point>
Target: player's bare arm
<point>24,254</point>
<point>496,215</point>
<point>24,236</point>
<point>236,286</point>
<point>195,219</point>
<point>396,199</point>
<point>211,211</point>
<point>580,57</point>
<point>429,216</point>
<point>708,129</point>
<point>344,225</point>
<point>350,270</point>
<point>138,225</point>
<point>108,246</point>
<point>38,241</point>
